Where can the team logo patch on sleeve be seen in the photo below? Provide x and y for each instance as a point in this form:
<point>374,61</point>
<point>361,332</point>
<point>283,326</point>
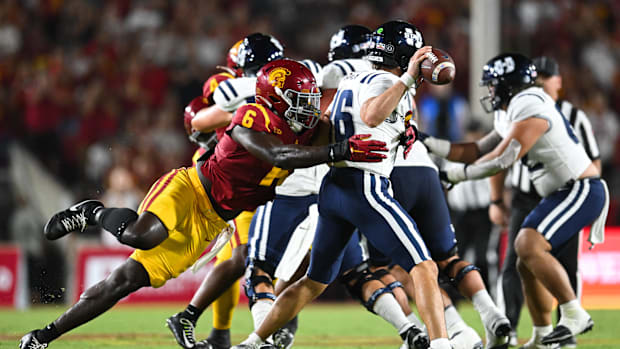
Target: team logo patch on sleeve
<point>277,76</point>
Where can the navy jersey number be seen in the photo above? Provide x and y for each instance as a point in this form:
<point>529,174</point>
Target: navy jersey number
<point>341,115</point>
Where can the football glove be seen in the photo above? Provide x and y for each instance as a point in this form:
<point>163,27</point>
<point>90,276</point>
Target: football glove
<point>357,148</point>
<point>409,137</point>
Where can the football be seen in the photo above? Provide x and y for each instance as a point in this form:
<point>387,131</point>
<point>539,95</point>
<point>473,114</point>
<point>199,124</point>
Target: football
<point>438,67</point>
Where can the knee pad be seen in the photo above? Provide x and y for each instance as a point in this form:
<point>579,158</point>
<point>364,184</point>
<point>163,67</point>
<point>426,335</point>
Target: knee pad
<point>355,280</point>
<point>379,273</point>
<point>460,274</point>
<point>251,281</point>
<point>116,220</point>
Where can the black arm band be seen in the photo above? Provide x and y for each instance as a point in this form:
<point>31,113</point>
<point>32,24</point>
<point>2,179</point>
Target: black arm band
<point>338,151</point>
<point>497,202</point>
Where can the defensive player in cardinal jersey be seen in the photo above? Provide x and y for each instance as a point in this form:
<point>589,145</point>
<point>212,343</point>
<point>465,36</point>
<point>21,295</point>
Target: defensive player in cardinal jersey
<point>221,287</point>
<point>357,196</point>
<point>257,152</point>
<point>285,227</point>
<point>533,131</point>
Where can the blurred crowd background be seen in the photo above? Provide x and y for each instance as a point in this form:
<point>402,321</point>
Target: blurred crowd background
<point>95,89</point>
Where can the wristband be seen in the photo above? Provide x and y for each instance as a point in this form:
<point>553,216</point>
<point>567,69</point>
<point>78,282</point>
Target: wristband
<point>497,202</point>
<point>408,80</point>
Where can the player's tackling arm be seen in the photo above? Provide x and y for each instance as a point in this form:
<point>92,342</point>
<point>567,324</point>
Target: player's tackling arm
<point>270,148</point>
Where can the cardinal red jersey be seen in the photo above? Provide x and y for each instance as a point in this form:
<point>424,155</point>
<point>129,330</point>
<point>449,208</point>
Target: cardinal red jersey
<point>239,180</point>
<point>212,83</point>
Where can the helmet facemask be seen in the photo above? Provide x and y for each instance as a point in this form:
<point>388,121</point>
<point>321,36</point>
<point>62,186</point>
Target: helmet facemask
<point>492,101</point>
<point>304,109</point>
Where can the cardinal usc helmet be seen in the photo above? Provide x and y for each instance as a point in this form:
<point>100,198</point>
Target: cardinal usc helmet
<point>204,140</point>
<point>351,41</point>
<point>505,75</point>
<point>289,89</point>
<point>256,50</point>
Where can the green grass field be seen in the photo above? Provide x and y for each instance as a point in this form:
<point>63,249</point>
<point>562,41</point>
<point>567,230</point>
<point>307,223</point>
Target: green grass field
<point>321,326</point>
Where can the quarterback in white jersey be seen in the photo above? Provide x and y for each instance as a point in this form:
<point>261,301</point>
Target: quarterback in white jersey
<point>574,196</point>
<point>373,104</point>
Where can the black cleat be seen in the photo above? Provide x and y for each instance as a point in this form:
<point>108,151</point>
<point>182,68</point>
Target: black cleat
<point>415,338</point>
<point>569,343</point>
<point>283,338</point>
<point>29,341</point>
<point>209,344</point>
<point>255,346</point>
<point>183,330</point>
<point>561,333</point>
<point>75,218</point>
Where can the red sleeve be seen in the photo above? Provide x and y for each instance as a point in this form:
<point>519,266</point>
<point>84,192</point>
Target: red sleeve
<point>253,116</point>
<point>211,84</point>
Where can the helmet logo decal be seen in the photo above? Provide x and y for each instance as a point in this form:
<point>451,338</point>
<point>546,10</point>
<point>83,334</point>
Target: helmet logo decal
<point>337,39</point>
<point>277,76</point>
<point>413,39</point>
<point>504,67</point>
<point>380,30</point>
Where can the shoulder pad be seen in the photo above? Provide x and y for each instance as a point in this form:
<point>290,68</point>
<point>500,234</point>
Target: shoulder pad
<point>253,116</point>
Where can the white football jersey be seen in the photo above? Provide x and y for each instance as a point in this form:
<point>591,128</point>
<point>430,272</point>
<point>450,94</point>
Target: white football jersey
<point>315,68</point>
<point>305,181</point>
<point>230,94</point>
<point>336,70</point>
<point>557,157</point>
<point>352,92</point>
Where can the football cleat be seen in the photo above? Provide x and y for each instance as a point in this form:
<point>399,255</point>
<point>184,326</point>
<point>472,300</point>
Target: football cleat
<point>498,332</point>
<point>562,333</point>
<point>75,218</point>
<point>29,341</point>
<point>415,338</point>
<point>255,346</point>
<point>570,343</point>
<point>466,338</point>
<point>183,331</point>
<point>283,338</point>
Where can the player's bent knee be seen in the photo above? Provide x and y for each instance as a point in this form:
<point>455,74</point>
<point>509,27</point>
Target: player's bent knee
<point>457,269</point>
<point>255,277</point>
<point>427,267</point>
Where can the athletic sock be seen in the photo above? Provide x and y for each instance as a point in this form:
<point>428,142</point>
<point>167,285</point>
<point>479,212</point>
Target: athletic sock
<point>192,313</point>
<point>220,337</point>
<point>388,308</point>
<point>485,306</point>
<point>440,343</point>
<point>115,220</point>
<point>292,325</point>
<point>573,316</point>
<point>453,319</point>
<point>253,338</point>
<point>416,321</point>
<point>541,331</point>
<point>259,311</point>
<point>47,334</point>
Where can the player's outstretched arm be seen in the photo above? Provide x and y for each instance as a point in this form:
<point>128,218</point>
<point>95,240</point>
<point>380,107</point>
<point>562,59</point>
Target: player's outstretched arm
<point>211,118</point>
<point>270,149</point>
<point>461,152</point>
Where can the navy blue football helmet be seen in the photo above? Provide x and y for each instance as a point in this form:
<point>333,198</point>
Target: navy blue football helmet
<point>505,75</point>
<point>351,41</point>
<point>394,43</point>
<point>257,50</point>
